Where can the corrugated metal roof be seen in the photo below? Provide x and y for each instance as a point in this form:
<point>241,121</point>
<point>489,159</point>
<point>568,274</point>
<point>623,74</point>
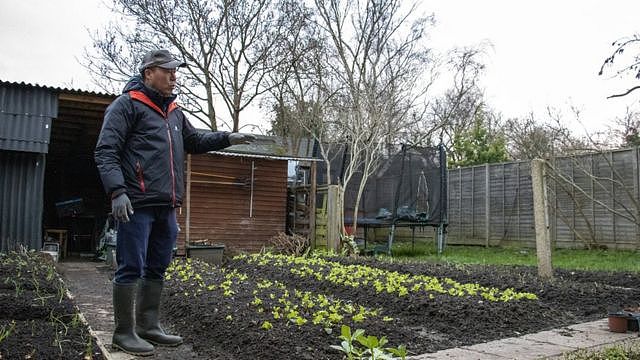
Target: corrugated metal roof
<point>259,156</point>
<point>55,89</point>
<point>25,117</point>
<point>274,148</point>
<point>26,113</point>
<point>21,197</point>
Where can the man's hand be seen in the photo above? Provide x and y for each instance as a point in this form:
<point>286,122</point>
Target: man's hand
<point>238,138</point>
<point>121,207</point>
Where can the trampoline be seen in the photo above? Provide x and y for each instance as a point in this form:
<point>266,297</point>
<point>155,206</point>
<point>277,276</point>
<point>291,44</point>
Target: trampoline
<point>409,189</point>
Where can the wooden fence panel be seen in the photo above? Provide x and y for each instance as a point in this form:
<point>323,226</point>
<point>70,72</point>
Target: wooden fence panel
<point>493,204</point>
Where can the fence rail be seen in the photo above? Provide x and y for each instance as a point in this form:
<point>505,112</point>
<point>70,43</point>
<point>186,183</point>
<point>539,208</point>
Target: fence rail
<point>593,199</point>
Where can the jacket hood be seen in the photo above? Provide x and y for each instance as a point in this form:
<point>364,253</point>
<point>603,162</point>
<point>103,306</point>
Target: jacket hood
<point>135,83</point>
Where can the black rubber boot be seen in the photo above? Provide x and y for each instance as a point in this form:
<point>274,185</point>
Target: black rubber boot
<point>148,315</point>
<point>124,336</point>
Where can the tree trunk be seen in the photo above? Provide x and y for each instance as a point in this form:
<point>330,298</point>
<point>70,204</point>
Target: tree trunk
<point>211,110</point>
<point>236,120</point>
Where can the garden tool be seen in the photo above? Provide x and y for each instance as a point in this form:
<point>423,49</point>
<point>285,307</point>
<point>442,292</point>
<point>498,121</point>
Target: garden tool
<point>124,336</point>
<point>148,314</point>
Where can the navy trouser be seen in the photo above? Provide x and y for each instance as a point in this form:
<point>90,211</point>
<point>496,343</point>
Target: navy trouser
<point>145,244</point>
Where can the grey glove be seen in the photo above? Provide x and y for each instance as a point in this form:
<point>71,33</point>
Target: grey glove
<point>121,208</point>
<point>238,138</point>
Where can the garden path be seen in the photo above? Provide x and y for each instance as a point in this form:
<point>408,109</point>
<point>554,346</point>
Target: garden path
<point>90,284</point>
<point>549,344</point>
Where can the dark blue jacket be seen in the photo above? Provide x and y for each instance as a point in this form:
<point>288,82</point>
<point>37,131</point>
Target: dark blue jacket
<point>142,144</point>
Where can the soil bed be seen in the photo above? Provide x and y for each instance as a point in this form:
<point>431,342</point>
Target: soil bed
<point>37,319</point>
<point>271,307</point>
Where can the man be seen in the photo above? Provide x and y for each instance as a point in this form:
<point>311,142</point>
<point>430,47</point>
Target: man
<point>140,157</point>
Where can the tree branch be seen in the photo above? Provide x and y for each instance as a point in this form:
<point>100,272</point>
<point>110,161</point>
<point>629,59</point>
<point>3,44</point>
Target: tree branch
<point>625,93</point>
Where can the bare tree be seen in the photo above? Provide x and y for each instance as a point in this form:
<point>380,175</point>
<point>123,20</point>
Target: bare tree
<point>231,46</point>
<point>302,87</point>
<point>530,139</point>
<point>448,116</point>
<point>375,55</point>
<point>534,138</point>
<point>631,66</point>
<point>626,128</point>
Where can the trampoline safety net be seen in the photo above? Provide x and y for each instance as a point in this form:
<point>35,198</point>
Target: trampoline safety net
<point>408,186</point>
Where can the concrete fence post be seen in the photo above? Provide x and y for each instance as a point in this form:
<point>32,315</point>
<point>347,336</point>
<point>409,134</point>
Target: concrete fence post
<point>540,213</point>
<point>487,205</point>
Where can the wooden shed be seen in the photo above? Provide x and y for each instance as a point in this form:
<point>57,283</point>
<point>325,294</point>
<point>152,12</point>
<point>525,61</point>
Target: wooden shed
<point>238,197</point>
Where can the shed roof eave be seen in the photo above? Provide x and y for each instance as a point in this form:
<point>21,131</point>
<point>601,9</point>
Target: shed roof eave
<point>262,156</point>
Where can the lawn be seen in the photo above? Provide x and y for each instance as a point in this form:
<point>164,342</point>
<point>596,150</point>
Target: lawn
<point>595,260</point>
<point>623,351</point>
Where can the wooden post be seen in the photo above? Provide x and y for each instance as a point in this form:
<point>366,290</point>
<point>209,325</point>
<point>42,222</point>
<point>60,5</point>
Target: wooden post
<point>334,215</point>
<point>613,199</point>
<point>312,204</point>
<point>473,208</point>
<point>503,191</point>
<point>461,235</point>
<point>188,202</point>
<point>518,201</point>
<point>540,212</point>
<point>636,189</point>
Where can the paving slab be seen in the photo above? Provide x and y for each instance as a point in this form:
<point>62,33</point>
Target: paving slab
<point>599,326</point>
<point>581,336</point>
<point>545,344</point>
<point>519,348</point>
<point>457,353</point>
<point>565,337</point>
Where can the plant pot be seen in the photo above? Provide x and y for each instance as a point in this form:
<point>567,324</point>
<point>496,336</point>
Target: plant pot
<point>618,323</point>
<point>209,253</point>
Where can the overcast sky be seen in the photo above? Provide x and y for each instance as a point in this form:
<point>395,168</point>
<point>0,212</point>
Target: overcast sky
<point>542,52</point>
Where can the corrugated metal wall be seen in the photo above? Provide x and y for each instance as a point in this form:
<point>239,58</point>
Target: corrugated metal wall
<point>25,117</point>
<point>26,114</point>
<point>21,184</point>
<point>220,211</point>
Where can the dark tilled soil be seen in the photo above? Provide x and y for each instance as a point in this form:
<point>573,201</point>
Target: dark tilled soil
<point>586,294</point>
<point>37,319</point>
<point>41,339</point>
<point>223,327</point>
<point>229,327</point>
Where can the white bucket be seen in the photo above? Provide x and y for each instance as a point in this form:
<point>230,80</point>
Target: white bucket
<point>52,249</point>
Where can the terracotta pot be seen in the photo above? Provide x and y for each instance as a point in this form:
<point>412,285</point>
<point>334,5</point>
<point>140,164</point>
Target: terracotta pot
<point>618,323</point>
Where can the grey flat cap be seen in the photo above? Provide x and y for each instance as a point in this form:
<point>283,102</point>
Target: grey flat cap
<point>161,58</point>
